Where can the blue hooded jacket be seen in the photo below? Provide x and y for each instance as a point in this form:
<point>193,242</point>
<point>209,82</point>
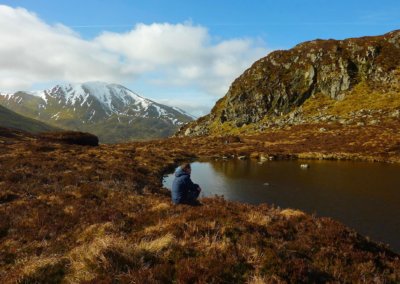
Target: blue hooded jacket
<point>183,189</point>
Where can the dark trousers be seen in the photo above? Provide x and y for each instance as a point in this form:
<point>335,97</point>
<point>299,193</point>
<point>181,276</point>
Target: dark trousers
<point>191,197</point>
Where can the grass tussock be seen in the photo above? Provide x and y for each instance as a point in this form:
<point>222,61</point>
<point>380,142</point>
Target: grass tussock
<point>102,254</point>
<point>44,270</point>
<point>290,213</point>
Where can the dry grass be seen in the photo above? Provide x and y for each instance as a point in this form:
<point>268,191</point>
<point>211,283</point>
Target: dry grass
<point>101,215</point>
<point>42,269</point>
<point>161,207</point>
<point>91,258</point>
<point>291,213</point>
<point>258,218</point>
<point>157,245</point>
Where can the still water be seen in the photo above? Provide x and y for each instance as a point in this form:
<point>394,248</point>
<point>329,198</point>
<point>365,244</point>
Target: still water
<point>364,196</point>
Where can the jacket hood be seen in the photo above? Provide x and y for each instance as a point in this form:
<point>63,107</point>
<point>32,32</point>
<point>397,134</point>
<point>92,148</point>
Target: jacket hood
<point>179,172</point>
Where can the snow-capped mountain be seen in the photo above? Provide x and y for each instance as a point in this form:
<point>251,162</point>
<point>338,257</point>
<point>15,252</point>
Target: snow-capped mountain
<point>99,101</point>
<point>96,106</point>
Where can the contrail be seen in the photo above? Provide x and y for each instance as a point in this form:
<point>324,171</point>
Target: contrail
<point>101,26</point>
<point>306,24</point>
<point>252,24</point>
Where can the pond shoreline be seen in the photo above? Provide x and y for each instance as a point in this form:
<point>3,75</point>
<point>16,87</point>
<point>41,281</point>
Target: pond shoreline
<point>312,189</point>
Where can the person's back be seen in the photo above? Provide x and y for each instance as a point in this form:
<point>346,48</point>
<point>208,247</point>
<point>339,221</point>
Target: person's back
<point>184,191</point>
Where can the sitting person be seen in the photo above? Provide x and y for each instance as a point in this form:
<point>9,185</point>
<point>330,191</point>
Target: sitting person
<point>184,191</point>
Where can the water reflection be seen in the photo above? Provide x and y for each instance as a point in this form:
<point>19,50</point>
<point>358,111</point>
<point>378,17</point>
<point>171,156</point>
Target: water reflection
<point>364,196</point>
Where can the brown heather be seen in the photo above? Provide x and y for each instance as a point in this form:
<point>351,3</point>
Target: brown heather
<point>82,214</point>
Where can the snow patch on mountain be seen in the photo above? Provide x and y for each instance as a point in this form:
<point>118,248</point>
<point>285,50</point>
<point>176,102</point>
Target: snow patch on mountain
<point>40,94</point>
<point>105,94</point>
<point>184,112</point>
<point>8,96</point>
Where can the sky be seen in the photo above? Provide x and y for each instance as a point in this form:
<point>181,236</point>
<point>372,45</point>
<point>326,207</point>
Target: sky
<point>180,53</point>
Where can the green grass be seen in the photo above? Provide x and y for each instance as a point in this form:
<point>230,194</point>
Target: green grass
<point>11,119</point>
<point>361,97</point>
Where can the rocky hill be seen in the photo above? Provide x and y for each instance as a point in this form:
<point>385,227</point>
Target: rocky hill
<point>111,111</point>
<point>351,81</point>
<point>11,119</point>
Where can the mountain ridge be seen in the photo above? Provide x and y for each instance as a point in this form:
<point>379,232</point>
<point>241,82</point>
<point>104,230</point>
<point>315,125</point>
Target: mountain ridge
<point>111,111</point>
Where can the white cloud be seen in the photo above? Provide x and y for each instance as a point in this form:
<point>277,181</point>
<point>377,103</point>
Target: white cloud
<point>158,44</point>
<point>32,51</point>
<point>185,55</point>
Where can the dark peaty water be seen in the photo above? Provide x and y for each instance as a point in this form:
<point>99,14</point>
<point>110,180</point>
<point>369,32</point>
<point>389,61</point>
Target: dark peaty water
<point>364,196</point>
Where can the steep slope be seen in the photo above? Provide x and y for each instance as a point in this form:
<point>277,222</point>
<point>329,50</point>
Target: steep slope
<point>111,111</point>
<point>11,119</point>
<point>348,81</point>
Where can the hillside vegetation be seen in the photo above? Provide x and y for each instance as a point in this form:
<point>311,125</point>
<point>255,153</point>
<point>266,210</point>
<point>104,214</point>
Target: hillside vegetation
<point>89,214</point>
<point>354,81</point>
<point>11,119</point>
<point>360,107</point>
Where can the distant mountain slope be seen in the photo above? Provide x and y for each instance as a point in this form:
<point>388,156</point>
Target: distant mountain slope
<point>352,81</point>
<point>11,119</point>
<point>111,111</point>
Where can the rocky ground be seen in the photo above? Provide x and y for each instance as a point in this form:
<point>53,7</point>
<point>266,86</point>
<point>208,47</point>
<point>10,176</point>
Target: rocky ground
<point>99,214</point>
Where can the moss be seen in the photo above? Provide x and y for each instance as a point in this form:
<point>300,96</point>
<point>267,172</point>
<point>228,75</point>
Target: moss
<point>361,97</point>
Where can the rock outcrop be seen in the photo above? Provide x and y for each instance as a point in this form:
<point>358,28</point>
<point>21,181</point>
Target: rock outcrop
<point>281,82</point>
<point>71,137</point>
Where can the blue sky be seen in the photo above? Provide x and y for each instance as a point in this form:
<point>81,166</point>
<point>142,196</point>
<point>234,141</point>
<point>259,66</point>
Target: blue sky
<point>218,40</point>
